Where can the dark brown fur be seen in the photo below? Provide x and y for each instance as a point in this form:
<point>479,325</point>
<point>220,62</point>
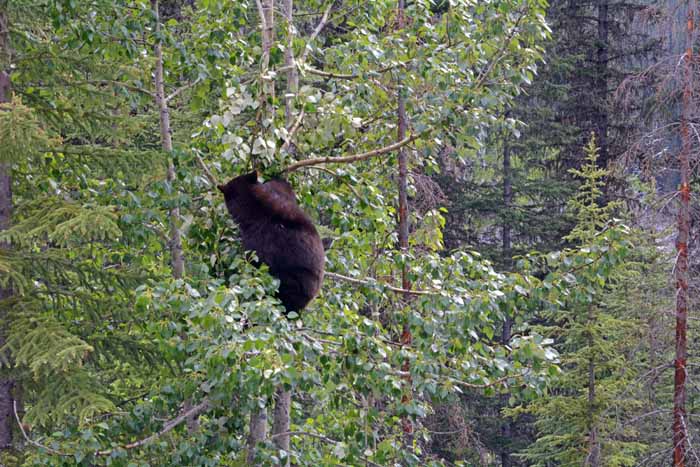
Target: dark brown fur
<point>281,234</point>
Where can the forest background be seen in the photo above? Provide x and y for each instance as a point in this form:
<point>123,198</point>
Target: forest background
<point>508,185</point>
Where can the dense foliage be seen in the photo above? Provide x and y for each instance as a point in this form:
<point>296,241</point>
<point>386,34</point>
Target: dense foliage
<point>136,331</point>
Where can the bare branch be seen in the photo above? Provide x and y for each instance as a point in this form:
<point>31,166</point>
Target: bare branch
<point>317,31</point>
<point>182,88</point>
<point>207,173</point>
<point>28,439</point>
<point>354,158</point>
<point>500,54</point>
<point>327,74</point>
<point>465,384</point>
<point>167,426</point>
<point>292,131</point>
<point>261,12</point>
<point>297,124</point>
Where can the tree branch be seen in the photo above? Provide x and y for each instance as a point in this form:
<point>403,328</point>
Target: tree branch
<point>354,158</point>
<point>261,12</point>
<point>327,74</point>
<point>28,439</point>
<point>167,426</point>
<point>180,89</point>
<point>501,52</point>
<point>207,173</point>
<point>465,384</point>
<point>292,131</point>
<point>352,280</point>
<point>317,31</point>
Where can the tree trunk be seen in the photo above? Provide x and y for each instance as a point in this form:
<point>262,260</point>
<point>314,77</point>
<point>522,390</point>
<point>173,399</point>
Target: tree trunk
<point>406,337</point>
<point>258,417</point>
<point>602,82</point>
<point>680,432</point>
<point>290,66</point>
<point>281,419</point>
<point>267,20</point>
<point>283,398</point>
<point>506,428</point>
<point>593,458</point>
<point>176,256</point>
<point>6,384</point>
<point>258,432</point>
<point>177,259</point>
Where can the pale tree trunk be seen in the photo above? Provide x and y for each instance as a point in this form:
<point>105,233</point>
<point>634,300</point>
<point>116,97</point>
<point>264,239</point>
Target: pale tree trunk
<point>283,397</point>
<point>258,432</point>
<point>406,337</point>
<point>680,430</point>
<point>175,241</point>
<point>506,428</point>
<point>166,139</point>
<point>267,96</point>
<point>281,419</point>
<point>290,66</point>
<point>258,417</point>
<point>6,384</point>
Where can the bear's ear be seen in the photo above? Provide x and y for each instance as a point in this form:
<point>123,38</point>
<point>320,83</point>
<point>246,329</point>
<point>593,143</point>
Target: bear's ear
<point>222,188</point>
<point>252,177</point>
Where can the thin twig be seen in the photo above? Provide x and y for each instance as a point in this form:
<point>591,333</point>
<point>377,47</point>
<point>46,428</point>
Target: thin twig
<point>356,157</point>
<point>28,439</point>
<point>317,31</point>
<point>182,88</point>
<point>329,74</point>
<point>207,173</point>
<point>502,51</point>
<point>326,74</point>
<point>261,12</point>
<point>330,172</point>
<point>292,131</point>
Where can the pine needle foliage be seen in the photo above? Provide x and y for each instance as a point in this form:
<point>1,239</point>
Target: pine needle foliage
<point>63,223</point>
<point>593,215</point>
<point>578,420</point>
<point>20,131</point>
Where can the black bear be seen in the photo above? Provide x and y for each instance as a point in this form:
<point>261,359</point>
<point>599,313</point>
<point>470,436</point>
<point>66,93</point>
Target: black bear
<point>282,235</point>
